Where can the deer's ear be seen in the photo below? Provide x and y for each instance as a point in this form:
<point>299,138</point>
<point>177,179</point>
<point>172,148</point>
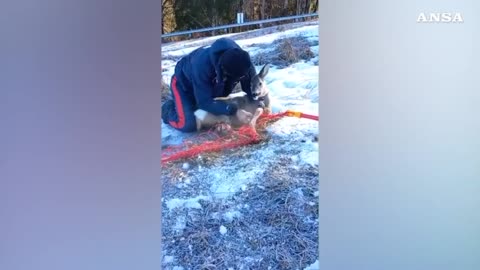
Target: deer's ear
<point>264,71</point>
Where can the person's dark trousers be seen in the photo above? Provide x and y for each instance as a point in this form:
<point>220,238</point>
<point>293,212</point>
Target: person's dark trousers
<point>179,111</point>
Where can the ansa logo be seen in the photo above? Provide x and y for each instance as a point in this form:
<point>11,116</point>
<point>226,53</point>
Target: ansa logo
<point>439,17</point>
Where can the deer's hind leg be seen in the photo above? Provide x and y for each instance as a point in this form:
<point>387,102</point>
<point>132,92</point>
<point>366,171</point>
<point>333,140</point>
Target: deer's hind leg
<point>206,120</point>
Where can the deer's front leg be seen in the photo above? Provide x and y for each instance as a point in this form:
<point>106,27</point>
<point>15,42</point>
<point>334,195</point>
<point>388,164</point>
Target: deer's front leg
<point>255,117</point>
<point>268,105</point>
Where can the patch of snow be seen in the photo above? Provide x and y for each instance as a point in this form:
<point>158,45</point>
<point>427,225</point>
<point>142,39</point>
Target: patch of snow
<point>226,183</point>
<point>255,50</point>
<point>305,31</point>
<point>181,52</point>
<point>180,224</point>
<point>177,268</point>
<point>186,203</point>
<point>299,192</point>
<point>290,84</point>
<point>168,259</point>
<point>230,215</point>
<point>223,230</point>
<point>315,194</point>
<point>175,46</point>
<point>309,154</point>
<point>288,126</point>
<point>314,60</point>
<point>277,106</point>
<point>313,266</point>
<point>216,215</point>
<point>185,166</point>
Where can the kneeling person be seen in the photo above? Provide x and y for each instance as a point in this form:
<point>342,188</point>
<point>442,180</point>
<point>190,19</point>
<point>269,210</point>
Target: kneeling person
<point>203,76</point>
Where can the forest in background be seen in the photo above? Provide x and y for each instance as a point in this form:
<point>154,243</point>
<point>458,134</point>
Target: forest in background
<point>180,15</point>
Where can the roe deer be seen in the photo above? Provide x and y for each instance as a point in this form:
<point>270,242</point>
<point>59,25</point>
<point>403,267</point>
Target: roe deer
<point>256,107</point>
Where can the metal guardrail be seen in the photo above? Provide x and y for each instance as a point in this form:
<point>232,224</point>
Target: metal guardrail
<point>180,33</point>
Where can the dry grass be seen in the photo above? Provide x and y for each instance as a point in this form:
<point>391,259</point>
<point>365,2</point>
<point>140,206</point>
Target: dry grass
<point>165,91</point>
<point>287,51</point>
<point>295,49</point>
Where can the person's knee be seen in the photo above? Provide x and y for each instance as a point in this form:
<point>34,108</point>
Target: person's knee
<point>190,124</point>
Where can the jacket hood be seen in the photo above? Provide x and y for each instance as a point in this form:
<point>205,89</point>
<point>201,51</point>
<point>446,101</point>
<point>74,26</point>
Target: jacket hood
<point>216,51</point>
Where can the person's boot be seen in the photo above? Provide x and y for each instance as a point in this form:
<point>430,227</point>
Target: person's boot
<point>167,108</point>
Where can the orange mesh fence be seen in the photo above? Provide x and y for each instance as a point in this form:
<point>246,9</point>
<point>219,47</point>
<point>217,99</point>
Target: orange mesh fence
<point>210,141</point>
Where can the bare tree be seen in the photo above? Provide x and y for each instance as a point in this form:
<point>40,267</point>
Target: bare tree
<point>168,16</point>
<point>313,6</point>
<point>262,10</point>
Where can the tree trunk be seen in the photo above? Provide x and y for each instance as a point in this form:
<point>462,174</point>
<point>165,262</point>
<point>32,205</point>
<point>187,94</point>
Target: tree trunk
<point>168,16</point>
<point>312,8</point>
<point>284,10</point>
<point>256,9</point>
<point>299,6</point>
<point>262,12</point>
<point>262,9</point>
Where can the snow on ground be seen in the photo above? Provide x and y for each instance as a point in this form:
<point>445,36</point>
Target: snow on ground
<point>185,203</point>
<point>314,266</point>
<point>223,230</point>
<point>184,47</point>
<point>294,87</point>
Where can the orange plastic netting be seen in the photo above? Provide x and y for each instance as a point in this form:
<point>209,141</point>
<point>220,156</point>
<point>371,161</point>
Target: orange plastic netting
<point>211,141</point>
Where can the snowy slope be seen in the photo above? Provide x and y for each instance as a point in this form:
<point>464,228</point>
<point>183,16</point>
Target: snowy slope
<point>294,87</point>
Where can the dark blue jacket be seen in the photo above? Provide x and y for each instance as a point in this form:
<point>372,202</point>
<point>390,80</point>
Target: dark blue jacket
<point>199,73</point>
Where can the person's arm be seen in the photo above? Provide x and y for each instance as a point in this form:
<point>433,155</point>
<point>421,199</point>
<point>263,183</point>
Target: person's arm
<point>246,82</point>
<point>203,88</point>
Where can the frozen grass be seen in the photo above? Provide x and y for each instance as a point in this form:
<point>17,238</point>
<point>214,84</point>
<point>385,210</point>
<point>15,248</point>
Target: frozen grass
<point>275,225</point>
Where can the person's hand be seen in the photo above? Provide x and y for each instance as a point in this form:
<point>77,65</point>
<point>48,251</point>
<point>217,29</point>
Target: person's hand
<point>223,128</point>
<point>244,116</point>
